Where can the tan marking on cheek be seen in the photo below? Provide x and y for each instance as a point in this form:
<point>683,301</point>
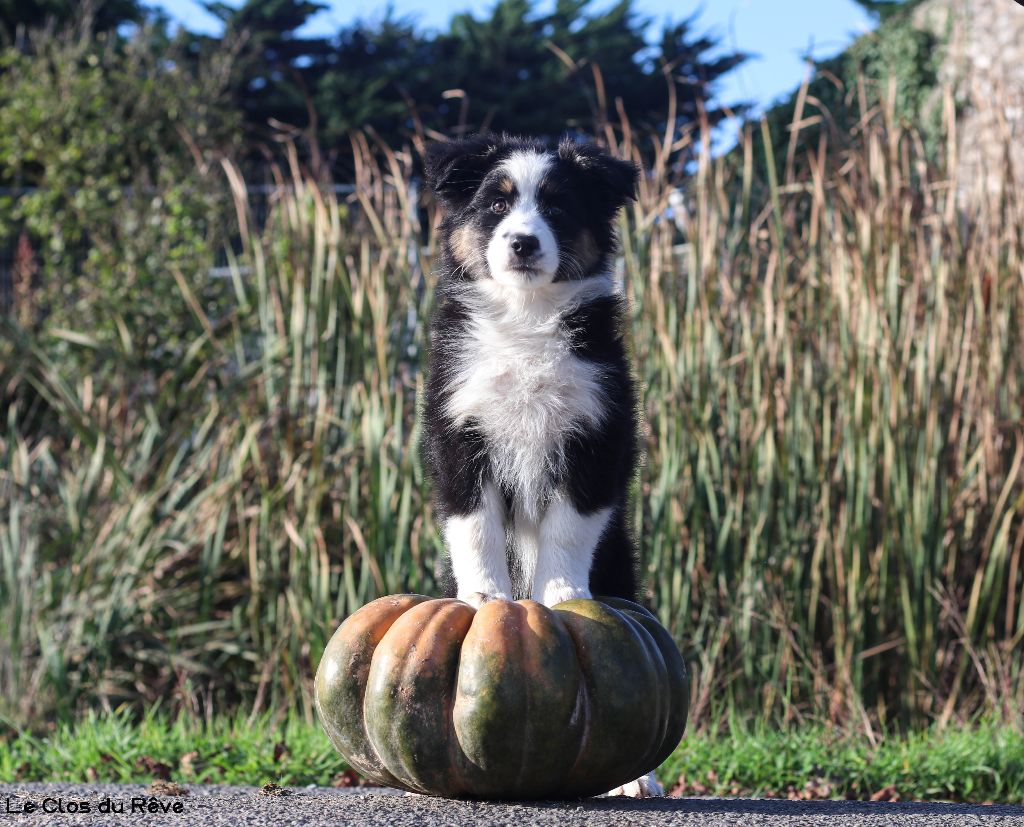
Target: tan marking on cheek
<point>465,245</point>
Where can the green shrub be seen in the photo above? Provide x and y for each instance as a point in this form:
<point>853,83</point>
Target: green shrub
<point>110,143</point>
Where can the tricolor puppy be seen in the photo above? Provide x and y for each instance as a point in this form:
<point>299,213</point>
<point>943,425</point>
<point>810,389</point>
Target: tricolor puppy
<point>530,412</point>
<point>530,420</point>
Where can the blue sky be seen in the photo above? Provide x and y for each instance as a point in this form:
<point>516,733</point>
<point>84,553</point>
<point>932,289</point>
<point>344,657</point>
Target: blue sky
<point>777,33</point>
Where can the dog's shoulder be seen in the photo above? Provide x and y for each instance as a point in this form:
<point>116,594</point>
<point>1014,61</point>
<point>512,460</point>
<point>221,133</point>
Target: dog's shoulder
<point>595,329</point>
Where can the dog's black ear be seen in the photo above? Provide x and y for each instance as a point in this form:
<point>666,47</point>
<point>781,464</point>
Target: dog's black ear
<point>455,168</point>
<point>611,180</point>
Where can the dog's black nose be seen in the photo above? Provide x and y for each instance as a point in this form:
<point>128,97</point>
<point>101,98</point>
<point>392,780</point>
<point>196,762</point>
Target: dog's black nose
<point>524,246</point>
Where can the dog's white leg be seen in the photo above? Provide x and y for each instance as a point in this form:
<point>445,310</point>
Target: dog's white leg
<point>526,541</point>
<point>476,544</point>
<point>566,549</point>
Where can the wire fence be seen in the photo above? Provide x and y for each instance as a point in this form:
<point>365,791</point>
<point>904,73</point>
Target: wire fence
<point>18,249</point>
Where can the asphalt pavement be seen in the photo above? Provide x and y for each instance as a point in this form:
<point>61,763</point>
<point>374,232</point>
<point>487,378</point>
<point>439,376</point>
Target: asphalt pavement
<point>115,804</point>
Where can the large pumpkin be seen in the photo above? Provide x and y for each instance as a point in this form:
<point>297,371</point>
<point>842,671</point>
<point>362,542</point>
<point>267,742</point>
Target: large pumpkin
<point>513,700</point>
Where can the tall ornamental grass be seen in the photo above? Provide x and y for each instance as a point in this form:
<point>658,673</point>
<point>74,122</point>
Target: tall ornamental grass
<point>830,510</point>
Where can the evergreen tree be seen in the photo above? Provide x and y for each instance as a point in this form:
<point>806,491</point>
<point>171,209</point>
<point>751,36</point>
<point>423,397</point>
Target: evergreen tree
<point>278,70</point>
<point>376,75</point>
<point>883,10</point>
<point>31,14</point>
<point>518,70</point>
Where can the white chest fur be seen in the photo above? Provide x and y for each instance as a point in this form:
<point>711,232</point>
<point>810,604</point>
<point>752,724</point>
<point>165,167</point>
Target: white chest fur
<point>519,382</point>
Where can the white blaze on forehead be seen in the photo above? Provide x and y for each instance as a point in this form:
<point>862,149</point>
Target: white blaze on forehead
<point>527,170</point>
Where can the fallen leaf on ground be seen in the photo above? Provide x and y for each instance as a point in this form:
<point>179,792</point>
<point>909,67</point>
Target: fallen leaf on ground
<point>150,765</point>
<point>347,778</point>
<point>162,787</point>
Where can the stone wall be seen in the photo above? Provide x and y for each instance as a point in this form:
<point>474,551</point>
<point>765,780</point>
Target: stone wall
<point>984,62</point>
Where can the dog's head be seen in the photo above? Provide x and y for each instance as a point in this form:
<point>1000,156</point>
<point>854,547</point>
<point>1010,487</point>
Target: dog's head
<point>526,215</point>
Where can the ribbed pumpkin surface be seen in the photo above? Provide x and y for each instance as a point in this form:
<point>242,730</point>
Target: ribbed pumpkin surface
<point>513,701</point>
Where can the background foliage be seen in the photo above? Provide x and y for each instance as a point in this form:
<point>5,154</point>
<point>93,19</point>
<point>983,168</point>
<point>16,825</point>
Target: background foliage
<point>515,68</point>
<point>209,373</point>
<point>898,64</point>
<point>102,140</point>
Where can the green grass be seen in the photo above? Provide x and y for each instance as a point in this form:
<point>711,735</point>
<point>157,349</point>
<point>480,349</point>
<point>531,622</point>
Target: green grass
<point>224,750</point>
<point>981,763</point>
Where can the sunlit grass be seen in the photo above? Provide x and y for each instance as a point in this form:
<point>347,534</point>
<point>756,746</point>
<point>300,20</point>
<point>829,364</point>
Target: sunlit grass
<point>980,763</point>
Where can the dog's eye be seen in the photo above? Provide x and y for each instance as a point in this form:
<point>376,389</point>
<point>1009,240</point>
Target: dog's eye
<point>499,206</point>
<point>553,210</point>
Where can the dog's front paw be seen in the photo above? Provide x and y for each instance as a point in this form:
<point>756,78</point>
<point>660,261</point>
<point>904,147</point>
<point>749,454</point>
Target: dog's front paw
<point>553,594</point>
<point>647,786</point>
<point>477,599</point>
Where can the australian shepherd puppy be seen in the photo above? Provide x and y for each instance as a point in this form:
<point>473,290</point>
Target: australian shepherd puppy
<point>530,413</point>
